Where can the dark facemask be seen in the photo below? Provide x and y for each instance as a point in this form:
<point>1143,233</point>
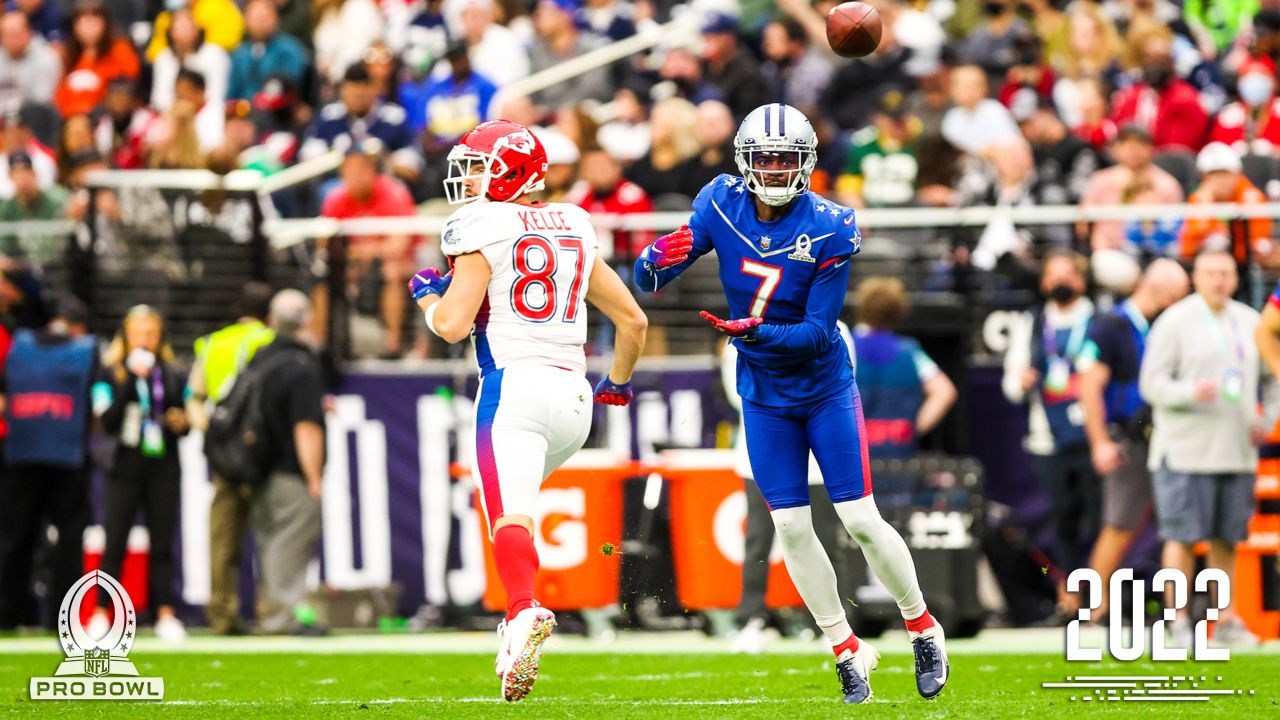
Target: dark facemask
<point>993,8</point>
<point>1063,294</point>
<point>1157,76</point>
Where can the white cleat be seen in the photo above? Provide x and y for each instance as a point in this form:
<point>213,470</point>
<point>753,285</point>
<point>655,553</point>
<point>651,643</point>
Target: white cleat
<point>170,629</point>
<point>854,671</point>
<point>932,666</point>
<point>750,640</point>
<point>98,626</point>
<point>522,639</point>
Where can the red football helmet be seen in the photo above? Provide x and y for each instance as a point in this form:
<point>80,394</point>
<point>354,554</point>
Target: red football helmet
<point>499,160</point>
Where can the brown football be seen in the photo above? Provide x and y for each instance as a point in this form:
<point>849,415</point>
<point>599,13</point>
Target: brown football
<point>853,29</point>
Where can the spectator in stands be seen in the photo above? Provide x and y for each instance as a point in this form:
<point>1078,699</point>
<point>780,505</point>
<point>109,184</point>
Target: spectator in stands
<point>384,69</point>
<point>365,192</point>
<point>1040,367</point>
<point>344,30</point>
<point>611,19</point>
<point>1134,177</point>
<point>562,164</point>
<point>294,20</point>
<point>1030,80</point>
<point>264,52</point>
<point>1163,103</point>
<point>210,117</point>
<point>881,167</point>
<point>577,123</point>
<point>557,40</point>
<point>96,54</point>
<point>904,394</point>
<point>931,98</point>
<point>138,398</point>
<point>124,122</point>
<point>45,17</point>
<point>1050,25</point>
<point>187,47</point>
<point>626,136</point>
<point>681,67</point>
<point>1251,124</point>
<point>794,73</point>
<point>447,107</point>
<point>1200,374</point>
<point>716,128</point>
<point>358,117</point>
<point>603,191</point>
<point>220,357</point>
<point>1216,25</point>
<point>497,52</point>
<point>730,67</point>
<point>18,137</point>
<point>1092,124</point>
<point>1064,162</point>
<point>29,200</point>
<point>672,149</point>
<point>44,390</point>
<point>991,45</point>
<point>285,510</point>
<point>75,136</point>
<point>1093,53</point>
<point>977,122</point>
<point>217,22</point>
<point>1116,420</point>
<point>173,142</point>
<point>1222,181</point>
<point>29,68</point>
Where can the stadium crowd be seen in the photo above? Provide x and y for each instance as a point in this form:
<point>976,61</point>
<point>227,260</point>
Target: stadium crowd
<point>1003,103</point>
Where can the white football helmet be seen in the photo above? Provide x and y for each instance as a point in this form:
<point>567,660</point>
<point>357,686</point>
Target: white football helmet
<point>776,150</point>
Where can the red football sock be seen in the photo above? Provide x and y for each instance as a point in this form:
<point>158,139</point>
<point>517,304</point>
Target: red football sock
<point>517,561</point>
<point>920,624</point>
<point>851,645</point>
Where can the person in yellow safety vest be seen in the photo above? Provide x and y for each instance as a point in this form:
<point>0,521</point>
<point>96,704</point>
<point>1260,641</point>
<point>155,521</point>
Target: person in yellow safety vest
<point>219,358</point>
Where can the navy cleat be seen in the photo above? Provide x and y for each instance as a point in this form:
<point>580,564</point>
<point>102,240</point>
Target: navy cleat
<point>854,671</point>
<point>932,668</point>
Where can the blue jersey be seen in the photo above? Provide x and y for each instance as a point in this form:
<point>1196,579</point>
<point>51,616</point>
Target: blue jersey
<point>793,272</point>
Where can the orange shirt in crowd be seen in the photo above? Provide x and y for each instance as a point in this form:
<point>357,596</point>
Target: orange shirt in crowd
<point>84,86</point>
<point>1195,231</point>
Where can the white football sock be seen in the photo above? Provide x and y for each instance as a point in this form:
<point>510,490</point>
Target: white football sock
<point>886,553</point>
<point>811,571</point>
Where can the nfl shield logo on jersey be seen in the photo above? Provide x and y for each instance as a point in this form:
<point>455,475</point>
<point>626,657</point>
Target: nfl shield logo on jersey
<point>765,241</point>
<point>801,253</point>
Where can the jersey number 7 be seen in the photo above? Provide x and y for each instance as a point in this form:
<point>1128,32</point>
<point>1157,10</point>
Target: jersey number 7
<point>536,264</point>
<point>770,276</point>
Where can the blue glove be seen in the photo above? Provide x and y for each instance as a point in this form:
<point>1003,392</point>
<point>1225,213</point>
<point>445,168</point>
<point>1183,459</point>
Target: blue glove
<point>611,393</point>
<point>429,281</point>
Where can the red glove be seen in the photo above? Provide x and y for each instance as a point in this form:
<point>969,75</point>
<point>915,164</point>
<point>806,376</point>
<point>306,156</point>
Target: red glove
<point>745,328</point>
<point>669,250</point>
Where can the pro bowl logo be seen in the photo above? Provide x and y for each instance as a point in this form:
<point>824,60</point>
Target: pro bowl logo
<point>97,669</point>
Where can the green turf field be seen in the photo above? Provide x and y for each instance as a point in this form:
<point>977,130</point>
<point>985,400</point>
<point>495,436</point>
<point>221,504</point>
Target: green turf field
<point>449,677</point>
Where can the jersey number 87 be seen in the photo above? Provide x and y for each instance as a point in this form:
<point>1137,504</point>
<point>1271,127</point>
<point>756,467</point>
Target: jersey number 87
<point>536,262</point>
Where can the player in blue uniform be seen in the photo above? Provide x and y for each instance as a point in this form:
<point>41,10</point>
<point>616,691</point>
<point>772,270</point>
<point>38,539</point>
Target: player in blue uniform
<point>784,262</point>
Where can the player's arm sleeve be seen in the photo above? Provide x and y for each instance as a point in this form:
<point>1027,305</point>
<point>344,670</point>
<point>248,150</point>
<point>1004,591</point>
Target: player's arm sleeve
<point>649,278</point>
<point>811,336</point>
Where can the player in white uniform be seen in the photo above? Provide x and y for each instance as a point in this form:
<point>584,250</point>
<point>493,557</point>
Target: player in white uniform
<point>522,274</point>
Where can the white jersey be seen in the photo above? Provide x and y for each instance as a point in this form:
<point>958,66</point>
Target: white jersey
<point>540,257</point>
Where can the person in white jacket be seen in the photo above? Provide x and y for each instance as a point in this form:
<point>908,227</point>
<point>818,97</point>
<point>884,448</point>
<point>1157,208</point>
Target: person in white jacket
<point>188,50</point>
